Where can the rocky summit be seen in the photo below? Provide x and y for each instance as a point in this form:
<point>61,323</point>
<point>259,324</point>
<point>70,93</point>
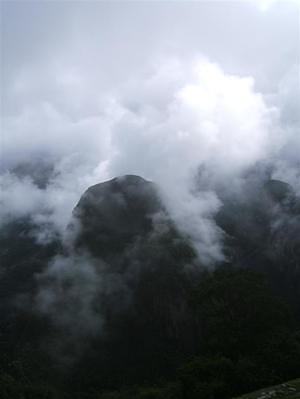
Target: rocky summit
<point>114,214</point>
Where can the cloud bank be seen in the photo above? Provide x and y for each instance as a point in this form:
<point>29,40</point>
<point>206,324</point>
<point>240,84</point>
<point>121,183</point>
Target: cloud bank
<point>165,126</point>
<point>164,109</point>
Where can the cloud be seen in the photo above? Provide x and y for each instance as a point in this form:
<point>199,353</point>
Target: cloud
<point>115,96</point>
<point>68,291</point>
<point>186,115</point>
<point>69,296</point>
<point>286,164</point>
<point>163,126</point>
<point>19,197</point>
<point>265,5</point>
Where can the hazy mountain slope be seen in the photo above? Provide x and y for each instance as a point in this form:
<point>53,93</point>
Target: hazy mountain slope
<point>115,303</point>
<point>262,229</point>
<point>124,224</point>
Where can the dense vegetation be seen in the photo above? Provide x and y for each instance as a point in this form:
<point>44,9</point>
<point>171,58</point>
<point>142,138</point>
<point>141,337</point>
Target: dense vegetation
<point>171,329</point>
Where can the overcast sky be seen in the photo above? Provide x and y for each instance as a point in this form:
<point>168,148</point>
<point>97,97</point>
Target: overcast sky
<point>156,88</point>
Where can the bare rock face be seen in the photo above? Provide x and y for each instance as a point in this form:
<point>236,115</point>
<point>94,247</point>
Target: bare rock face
<point>115,214</point>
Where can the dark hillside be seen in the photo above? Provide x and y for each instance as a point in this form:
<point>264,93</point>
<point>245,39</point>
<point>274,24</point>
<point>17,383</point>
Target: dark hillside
<point>158,324</point>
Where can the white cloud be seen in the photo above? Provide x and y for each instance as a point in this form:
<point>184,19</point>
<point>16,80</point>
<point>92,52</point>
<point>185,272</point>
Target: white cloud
<point>97,98</point>
<point>163,127</point>
<point>265,5</point>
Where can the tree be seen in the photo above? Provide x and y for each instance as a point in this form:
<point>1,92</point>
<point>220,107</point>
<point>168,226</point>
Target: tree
<point>239,318</point>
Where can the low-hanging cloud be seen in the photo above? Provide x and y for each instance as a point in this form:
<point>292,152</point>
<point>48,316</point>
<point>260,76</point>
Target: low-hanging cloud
<point>68,293</point>
<point>163,126</point>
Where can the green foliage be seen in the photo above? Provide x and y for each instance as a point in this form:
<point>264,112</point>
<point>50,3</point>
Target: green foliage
<point>238,313</point>
<point>110,395</point>
<point>207,377</point>
<point>245,339</point>
<point>9,388</point>
<point>166,391</point>
<point>242,320</point>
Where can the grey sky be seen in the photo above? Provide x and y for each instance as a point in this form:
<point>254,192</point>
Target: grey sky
<point>112,41</point>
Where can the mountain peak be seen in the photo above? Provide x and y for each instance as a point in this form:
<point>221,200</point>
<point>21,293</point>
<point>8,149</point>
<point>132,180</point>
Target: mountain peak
<point>278,190</point>
<point>115,212</point>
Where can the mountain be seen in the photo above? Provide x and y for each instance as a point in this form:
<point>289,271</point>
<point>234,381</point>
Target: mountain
<point>124,224</point>
<point>263,233</point>
<point>114,214</point>
<point>163,326</point>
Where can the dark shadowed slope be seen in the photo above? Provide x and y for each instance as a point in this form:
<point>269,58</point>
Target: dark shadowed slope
<point>262,229</point>
<point>115,213</point>
<point>156,313</point>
